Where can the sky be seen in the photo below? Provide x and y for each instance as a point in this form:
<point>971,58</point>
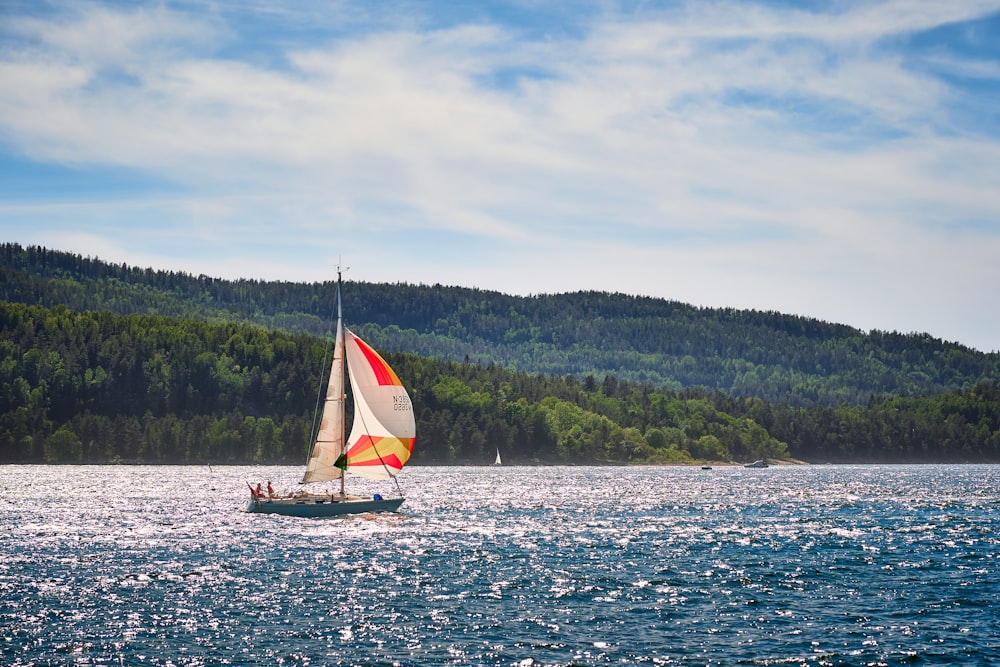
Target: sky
<point>835,160</point>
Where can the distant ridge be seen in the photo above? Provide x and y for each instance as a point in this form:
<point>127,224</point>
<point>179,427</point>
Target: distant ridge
<point>590,335</point>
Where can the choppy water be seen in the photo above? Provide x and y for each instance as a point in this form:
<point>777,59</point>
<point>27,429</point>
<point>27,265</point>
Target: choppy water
<point>817,565</point>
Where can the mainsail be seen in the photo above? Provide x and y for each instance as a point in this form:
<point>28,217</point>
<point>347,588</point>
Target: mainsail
<point>329,444</point>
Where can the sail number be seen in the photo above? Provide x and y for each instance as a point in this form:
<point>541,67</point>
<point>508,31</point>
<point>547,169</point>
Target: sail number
<point>401,403</point>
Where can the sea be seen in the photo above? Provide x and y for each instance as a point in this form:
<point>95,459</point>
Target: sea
<point>524,566</point>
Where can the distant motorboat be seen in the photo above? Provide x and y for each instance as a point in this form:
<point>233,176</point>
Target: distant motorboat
<point>759,463</point>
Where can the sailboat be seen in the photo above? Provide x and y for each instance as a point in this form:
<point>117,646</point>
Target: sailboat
<point>379,445</point>
<point>497,462</point>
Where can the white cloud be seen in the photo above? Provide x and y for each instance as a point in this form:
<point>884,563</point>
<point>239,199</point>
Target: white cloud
<point>723,153</point>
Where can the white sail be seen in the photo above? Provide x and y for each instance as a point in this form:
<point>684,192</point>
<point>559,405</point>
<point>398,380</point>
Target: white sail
<point>383,430</point>
<point>329,444</point>
<point>497,462</point>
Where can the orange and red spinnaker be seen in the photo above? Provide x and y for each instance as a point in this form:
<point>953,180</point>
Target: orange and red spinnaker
<point>384,375</point>
<point>389,452</point>
<point>383,431</point>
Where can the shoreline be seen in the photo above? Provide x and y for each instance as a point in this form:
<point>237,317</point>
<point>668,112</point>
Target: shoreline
<point>772,463</point>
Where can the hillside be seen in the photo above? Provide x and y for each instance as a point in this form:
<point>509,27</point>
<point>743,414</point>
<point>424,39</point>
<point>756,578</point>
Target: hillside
<point>750,354</point>
<point>98,387</point>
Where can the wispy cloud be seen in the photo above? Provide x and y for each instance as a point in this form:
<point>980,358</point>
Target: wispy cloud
<point>838,163</point>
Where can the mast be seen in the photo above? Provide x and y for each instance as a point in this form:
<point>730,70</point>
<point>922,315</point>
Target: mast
<point>343,397</point>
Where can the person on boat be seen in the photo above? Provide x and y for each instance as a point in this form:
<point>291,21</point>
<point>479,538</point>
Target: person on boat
<point>270,489</point>
<point>259,492</point>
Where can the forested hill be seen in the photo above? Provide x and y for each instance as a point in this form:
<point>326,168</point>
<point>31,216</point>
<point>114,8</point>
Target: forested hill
<point>781,358</point>
<point>94,387</point>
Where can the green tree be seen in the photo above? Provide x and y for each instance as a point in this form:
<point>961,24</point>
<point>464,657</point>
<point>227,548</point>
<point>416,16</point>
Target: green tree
<point>63,446</point>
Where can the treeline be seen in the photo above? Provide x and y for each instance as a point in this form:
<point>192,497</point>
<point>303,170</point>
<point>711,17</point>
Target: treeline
<point>100,387</point>
<point>956,427</point>
<point>751,354</point>
<point>96,387</point>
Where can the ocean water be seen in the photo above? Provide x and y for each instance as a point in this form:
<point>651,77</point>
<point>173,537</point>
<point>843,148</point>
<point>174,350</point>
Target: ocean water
<point>803,565</point>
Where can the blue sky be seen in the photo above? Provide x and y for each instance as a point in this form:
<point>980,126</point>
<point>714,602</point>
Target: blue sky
<point>838,160</point>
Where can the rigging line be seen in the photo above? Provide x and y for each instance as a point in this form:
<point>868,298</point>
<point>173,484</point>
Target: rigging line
<point>319,395</point>
<point>322,385</point>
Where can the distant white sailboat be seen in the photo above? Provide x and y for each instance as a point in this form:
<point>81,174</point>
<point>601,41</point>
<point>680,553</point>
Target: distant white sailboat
<point>497,462</point>
<point>380,443</point>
